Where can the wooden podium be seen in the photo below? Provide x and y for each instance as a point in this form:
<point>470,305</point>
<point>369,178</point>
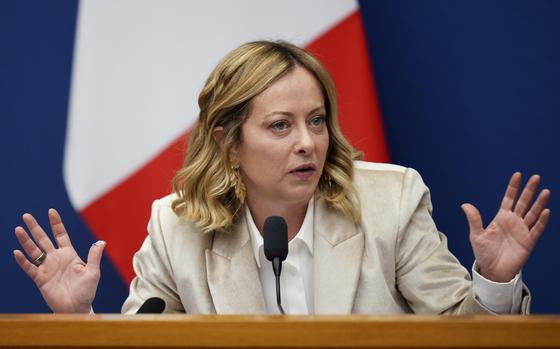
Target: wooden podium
<point>188,331</point>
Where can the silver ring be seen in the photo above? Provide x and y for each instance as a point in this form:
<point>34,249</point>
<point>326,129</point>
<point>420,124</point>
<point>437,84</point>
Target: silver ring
<point>37,262</point>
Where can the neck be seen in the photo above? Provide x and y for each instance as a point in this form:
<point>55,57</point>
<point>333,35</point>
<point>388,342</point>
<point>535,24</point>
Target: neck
<point>294,214</point>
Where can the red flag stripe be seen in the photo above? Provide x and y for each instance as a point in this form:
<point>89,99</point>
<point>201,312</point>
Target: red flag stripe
<point>120,216</point>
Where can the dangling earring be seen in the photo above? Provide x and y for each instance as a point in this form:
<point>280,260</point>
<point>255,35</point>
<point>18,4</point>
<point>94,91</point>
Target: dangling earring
<point>236,183</point>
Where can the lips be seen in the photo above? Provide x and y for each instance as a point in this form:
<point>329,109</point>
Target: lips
<point>303,168</point>
<point>304,171</point>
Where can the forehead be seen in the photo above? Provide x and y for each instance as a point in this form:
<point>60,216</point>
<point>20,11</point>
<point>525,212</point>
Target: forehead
<point>296,91</point>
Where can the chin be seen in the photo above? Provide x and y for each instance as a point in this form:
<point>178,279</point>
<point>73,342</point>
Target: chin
<point>301,195</point>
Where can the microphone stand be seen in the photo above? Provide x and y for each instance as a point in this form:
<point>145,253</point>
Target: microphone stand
<point>277,267</point>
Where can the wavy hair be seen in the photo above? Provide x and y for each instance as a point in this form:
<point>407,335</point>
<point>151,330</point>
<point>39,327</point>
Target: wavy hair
<point>207,190</point>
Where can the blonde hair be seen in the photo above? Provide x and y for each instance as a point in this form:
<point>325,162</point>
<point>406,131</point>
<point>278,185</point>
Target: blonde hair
<point>208,191</point>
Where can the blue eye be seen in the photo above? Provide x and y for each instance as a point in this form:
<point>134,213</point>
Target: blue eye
<point>317,121</point>
<point>279,125</point>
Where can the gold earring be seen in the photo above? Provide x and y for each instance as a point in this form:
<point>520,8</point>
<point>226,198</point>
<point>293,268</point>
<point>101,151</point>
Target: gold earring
<point>237,184</point>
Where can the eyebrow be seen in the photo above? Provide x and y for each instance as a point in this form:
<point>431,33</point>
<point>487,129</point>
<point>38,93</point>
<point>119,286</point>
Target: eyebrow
<point>287,113</point>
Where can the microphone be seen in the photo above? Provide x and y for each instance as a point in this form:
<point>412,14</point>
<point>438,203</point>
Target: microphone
<point>276,249</point>
<point>154,305</point>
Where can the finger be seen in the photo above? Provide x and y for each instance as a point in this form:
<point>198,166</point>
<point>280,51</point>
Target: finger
<point>473,217</point>
<point>538,228</point>
<point>58,229</point>
<point>94,255</point>
<point>537,208</point>
<point>511,191</point>
<point>28,245</point>
<point>38,233</point>
<point>26,265</point>
<point>524,201</point>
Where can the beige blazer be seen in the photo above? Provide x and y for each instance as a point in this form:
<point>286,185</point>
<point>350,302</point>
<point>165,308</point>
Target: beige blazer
<point>395,261</point>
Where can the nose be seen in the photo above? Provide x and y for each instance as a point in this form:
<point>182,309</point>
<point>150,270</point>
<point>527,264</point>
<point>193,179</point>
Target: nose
<point>304,142</point>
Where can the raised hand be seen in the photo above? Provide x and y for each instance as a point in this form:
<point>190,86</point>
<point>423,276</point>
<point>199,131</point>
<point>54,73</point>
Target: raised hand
<point>67,284</point>
<point>502,249</point>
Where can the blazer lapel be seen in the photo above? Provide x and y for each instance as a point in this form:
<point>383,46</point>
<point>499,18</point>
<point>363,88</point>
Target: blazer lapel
<point>232,273</point>
<point>337,259</point>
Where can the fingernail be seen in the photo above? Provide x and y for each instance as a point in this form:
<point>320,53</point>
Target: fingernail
<point>100,243</point>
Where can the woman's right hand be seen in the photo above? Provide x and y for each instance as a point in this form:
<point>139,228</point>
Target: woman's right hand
<point>67,284</point>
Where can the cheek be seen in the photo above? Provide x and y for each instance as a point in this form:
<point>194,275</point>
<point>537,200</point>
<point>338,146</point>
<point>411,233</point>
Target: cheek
<point>323,147</point>
<point>262,159</point>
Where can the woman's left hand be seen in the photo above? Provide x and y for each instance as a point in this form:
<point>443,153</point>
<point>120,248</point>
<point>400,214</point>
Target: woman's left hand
<point>502,249</point>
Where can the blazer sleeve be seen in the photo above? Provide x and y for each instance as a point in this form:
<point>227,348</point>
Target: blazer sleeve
<point>428,275</point>
<point>154,273</point>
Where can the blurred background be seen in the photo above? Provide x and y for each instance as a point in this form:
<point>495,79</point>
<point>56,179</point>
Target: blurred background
<point>97,99</point>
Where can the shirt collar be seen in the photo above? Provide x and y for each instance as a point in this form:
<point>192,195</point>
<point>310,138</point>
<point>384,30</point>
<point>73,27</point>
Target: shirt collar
<point>305,233</point>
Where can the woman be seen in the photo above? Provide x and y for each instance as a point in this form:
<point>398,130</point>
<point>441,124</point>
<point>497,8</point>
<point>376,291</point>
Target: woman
<point>361,235</point>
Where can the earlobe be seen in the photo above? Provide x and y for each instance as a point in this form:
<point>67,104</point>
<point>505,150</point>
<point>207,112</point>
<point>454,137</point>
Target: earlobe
<point>233,156</point>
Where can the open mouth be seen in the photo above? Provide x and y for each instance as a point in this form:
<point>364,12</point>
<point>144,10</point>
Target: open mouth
<point>304,170</point>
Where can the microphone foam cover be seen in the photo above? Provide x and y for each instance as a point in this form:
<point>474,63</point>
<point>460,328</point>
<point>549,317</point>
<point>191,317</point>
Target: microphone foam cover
<point>152,305</point>
<point>275,238</point>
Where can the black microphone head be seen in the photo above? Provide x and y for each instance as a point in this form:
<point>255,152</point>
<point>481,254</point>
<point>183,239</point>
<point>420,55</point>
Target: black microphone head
<point>152,305</point>
<point>275,238</point>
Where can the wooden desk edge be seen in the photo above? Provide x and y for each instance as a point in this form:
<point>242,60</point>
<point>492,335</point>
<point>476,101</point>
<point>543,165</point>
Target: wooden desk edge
<point>412,331</point>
